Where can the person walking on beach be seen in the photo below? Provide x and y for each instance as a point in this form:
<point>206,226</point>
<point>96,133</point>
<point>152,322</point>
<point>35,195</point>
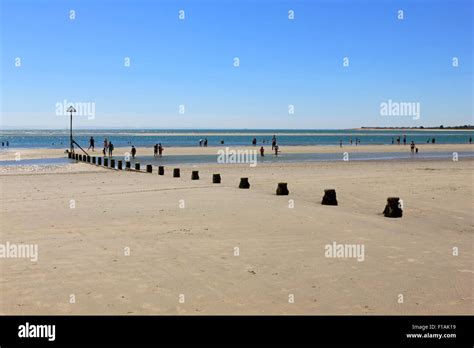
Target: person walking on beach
<point>433,140</point>
<point>340,143</point>
<point>412,147</point>
<point>133,151</point>
<point>205,142</point>
<point>404,140</point>
<point>106,146</point>
<point>276,150</point>
<point>8,144</point>
<point>91,143</point>
<point>254,141</point>
<point>398,140</point>
<point>160,150</point>
<point>392,140</point>
<point>262,151</point>
<point>111,149</point>
<point>470,141</point>
<point>200,142</point>
<point>155,150</point>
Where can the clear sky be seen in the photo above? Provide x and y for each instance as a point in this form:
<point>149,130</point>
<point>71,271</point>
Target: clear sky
<point>190,62</point>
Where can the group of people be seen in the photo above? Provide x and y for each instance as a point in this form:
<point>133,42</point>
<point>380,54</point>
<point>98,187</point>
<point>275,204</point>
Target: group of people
<point>203,142</point>
<point>7,142</point>
<point>357,141</point>
<point>108,146</point>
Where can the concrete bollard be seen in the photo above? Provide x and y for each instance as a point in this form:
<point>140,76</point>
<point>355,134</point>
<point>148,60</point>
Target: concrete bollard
<point>112,163</point>
<point>99,161</point>
<point>149,168</point>
<point>393,208</point>
<point>106,162</point>
<point>137,166</point>
<point>128,165</point>
<point>329,197</point>
<point>119,165</point>
<point>282,189</point>
<point>176,173</point>
<point>216,178</point>
<point>195,175</point>
<point>161,170</point>
<point>244,183</point>
<point>94,160</point>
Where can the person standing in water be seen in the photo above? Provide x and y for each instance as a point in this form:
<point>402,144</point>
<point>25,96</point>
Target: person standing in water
<point>160,150</point>
<point>133,151</point>
<point>412,147</point>
<point>155,150</point>
<point>262,151</point>
<point>470,141</point>
<point>276,150</point>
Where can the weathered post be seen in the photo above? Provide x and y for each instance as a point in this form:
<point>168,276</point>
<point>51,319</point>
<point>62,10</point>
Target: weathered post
<point>112,163</point>
<point>282,189</point>
<point>244,183</point>
<point>119,165</point>
<point>69,155</point>
<point>128,165</point>
<point>195,175</point>
<point>161,170</point>
<point>393,208</point>
<point>329,197</point>
<point>137,166</point>
<point>88,159</point>
<point>176,173</point>
<point>106,162</point>
<point>94,160</point>
<point>149,168</point>
<point>80,158</point>
<point>99,161</point>
<point>216,178</point>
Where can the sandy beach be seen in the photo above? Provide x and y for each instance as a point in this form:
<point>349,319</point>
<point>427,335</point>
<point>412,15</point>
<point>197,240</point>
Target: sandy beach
<point>134,243</point>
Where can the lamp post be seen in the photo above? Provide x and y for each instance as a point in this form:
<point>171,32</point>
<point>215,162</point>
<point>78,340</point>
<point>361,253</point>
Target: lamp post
<point>71,110</point>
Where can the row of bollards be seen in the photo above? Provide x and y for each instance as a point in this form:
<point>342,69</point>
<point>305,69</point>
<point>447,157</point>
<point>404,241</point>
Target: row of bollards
<point>393,209</point>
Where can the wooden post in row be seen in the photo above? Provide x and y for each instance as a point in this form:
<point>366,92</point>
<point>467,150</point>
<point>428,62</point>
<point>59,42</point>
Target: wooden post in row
<point>216,178</point>
<point>112,163</point>
<point>195,175</point>
<point>176,173</point>
<point>119,164</point>
<point>106,162</point>
<point>329,197</point>
<point>149,168</point>
<point>244,183</point>
<point>137,166</point>
<point>282,189</point>
<point>161,170</point>
<point>128,165</point>
<point>94,160</point>
<point>99,161</point>
<point>393,209</point>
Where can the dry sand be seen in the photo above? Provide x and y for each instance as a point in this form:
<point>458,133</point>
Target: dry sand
<point>189,250</point>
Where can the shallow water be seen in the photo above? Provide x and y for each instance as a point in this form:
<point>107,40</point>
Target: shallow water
<point>292,157</point>
<point>173,138</point>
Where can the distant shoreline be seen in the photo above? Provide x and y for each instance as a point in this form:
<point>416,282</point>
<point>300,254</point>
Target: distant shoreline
<point>456,128</point>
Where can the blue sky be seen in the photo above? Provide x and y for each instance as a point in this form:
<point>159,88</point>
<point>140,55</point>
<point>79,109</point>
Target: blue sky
<point>190,62</point>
